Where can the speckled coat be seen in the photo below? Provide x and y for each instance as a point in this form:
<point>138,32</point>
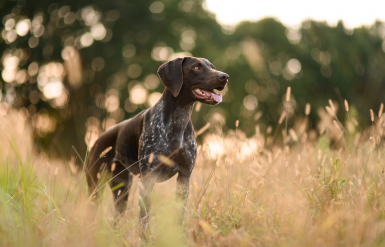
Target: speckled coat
<point>164,129</point>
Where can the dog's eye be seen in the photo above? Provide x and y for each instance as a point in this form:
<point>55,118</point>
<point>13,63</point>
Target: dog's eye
<point>196,68</point>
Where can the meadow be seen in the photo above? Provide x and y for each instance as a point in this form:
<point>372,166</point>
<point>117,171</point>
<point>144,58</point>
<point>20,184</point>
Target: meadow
<point>299,186</point>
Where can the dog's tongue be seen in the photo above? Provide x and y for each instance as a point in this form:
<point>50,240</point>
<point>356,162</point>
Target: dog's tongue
<point>217,97</point>
<point>214,96</point>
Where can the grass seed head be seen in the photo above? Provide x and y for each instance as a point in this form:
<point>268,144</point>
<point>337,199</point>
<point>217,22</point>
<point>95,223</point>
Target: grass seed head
<point>237,123</point>
<point>102,154</point>
<point>151,158</point>
<point>371,115</point>
<point>166,160</point>
<point>332,105</point>
<point>206,227</point>
<point>330,111</point>
<point>198,106</point>
<point>307,109</point>
<point>346,105</point>
<point>293,135</point>
<point>113,166</point>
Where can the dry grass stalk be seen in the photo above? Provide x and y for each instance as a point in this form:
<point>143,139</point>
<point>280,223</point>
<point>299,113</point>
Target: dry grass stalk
<point>203,129</point>
<point>354,121</point>
<point>288,94</point>
<point>73,168</point>
<point>336,125</point>
<point>258,115</point>
<point>380,110</point>
<point>330,111</point>
<point>282,117</point>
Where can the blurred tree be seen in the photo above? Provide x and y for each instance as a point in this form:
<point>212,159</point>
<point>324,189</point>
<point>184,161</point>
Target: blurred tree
<point>76,68</point>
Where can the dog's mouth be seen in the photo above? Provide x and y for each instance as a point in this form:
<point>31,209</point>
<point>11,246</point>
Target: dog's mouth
<point>208,95</point>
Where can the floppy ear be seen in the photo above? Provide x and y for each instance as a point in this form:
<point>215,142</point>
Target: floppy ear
<point>171,75</point>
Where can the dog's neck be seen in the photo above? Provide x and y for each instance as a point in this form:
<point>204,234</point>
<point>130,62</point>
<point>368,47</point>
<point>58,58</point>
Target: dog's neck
<point>176,110</point>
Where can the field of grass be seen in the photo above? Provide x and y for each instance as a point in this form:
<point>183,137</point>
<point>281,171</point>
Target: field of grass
<point>320,190</point>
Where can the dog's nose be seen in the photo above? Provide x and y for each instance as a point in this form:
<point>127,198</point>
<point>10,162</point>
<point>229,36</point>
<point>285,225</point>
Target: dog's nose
<point>223,77</point>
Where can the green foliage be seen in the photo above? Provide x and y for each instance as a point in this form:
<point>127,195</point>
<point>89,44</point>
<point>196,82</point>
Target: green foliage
<point>121,43</point>
<point>333,184</point>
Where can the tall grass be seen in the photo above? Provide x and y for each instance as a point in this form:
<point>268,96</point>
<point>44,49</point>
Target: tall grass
<point>318,190</point>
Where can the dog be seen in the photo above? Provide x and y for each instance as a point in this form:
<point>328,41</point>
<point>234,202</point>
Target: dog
<point>135,146</point>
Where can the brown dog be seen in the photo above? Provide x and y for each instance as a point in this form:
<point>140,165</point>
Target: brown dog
<point>164,129</point>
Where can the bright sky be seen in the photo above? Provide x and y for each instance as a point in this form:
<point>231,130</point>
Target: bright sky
<point>354,13</point>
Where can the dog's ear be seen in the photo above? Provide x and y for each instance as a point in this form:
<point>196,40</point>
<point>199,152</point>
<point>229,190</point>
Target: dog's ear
<point>171,75</point>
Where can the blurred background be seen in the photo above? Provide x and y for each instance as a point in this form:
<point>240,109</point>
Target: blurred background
<point>75,68</point>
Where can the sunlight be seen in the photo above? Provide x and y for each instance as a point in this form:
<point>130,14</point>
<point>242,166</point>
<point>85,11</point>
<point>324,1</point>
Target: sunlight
<point>22,27</point>
<point>353,13</point>
<point>138,94</point>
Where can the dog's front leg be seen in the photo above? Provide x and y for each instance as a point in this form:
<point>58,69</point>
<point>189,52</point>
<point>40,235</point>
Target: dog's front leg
<point>182,191</point>
<point>145,189</point>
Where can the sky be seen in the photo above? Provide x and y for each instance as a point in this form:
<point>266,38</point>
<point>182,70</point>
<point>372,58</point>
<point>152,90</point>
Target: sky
<point>353,13</point>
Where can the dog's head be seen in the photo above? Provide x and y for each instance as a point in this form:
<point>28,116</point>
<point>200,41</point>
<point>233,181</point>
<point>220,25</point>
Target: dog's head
<point>195,78</point>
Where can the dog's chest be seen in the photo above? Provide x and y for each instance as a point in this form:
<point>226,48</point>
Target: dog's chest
<point>156,134</point>
<point>160,131</point>
<point>168,137</point>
